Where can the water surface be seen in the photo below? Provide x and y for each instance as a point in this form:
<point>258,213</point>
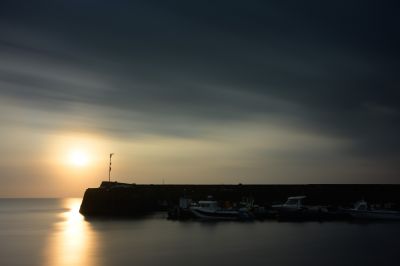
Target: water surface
<point>52,232</point>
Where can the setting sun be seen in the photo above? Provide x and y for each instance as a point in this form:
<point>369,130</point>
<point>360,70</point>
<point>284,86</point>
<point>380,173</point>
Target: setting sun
<point>78,158</point>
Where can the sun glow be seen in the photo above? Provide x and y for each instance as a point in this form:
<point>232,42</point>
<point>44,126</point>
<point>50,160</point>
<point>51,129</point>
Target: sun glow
<point>78,158</point>
<point>73,241</point>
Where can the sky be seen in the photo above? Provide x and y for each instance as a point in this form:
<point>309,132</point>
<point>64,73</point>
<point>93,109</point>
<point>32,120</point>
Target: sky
<point>197,92</point>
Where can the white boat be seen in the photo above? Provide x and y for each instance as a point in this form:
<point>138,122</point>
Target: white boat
<point>210,210</point>
<point>362,210</point>
<point>295,208</point>
<point>291,204</point>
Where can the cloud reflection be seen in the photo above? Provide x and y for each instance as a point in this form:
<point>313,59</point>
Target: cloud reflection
<point>73,240</point>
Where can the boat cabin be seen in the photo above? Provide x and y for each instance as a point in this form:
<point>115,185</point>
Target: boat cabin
<point>361,205</point>
<point>294,202</point>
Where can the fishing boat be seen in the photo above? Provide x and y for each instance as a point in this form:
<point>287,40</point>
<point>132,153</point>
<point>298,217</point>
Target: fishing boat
<point>210,210</point>
<point>362,210</point>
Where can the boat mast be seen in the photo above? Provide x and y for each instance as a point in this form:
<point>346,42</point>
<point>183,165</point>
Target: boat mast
<point>109,169</point>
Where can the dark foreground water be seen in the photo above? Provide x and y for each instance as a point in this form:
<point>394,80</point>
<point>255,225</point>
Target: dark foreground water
<point>52,232</point>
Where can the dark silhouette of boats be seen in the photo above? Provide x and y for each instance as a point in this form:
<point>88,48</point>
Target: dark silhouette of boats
<point>211,210</point>
<point>296,208</point>
<point>362,210</point>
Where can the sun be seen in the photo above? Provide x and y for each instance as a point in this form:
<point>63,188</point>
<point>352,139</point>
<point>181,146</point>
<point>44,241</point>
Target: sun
<point>78,158</point>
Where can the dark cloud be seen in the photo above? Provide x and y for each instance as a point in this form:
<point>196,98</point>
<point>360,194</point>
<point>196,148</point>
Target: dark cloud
<point>328,67</point>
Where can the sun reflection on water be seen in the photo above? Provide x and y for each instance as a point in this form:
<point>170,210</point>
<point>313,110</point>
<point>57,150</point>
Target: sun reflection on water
<point>73,241</point>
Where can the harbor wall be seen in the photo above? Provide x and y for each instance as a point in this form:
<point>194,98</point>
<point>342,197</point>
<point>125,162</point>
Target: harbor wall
<point>119,199</point>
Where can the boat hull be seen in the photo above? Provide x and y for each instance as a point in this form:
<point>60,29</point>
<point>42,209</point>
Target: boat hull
<point>374,215</point>
<point>219,215</point>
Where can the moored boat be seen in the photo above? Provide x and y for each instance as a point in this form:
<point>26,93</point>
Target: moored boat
<point>210,210</point>
<point>362,210</point>
<point>295,208</point>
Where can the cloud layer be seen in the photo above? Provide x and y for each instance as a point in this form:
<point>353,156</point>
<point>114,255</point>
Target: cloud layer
<point>184,69</point>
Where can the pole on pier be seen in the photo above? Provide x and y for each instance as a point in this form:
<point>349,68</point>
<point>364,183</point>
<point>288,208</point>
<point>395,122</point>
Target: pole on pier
<point>109,169</point>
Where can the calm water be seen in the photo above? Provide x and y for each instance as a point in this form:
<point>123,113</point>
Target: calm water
<point>52,232</point>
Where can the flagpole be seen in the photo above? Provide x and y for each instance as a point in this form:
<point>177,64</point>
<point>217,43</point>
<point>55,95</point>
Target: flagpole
<point>109,169</point>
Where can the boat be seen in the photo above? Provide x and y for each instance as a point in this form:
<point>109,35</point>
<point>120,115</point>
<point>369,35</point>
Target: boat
<point>210,210</point>
<point>291,204</point>
<point>296,209</point>
<point>362,210</point>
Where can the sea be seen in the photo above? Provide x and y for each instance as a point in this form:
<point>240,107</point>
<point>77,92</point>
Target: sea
<point>52,232</point>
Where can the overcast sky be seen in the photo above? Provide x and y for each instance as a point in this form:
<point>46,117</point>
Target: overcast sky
<point>198,92</point>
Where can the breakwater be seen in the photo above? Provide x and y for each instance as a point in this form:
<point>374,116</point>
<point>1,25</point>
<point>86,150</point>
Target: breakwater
<point>120,199</point>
